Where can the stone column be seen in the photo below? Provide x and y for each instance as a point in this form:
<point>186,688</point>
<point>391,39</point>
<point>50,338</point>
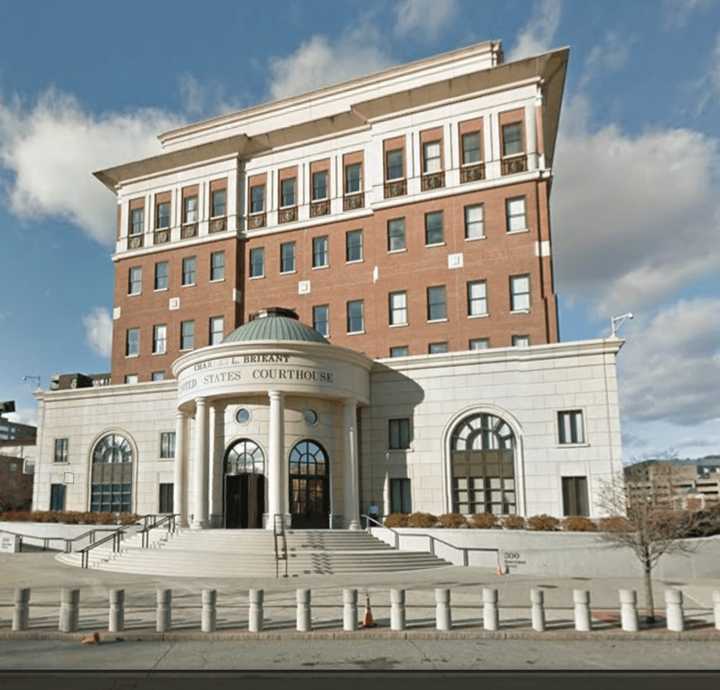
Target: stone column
<point>531,131</point>
<point>217,472</point>
<point>180,476</point>
<point>200,475</point>
<point>277,480</point>
<point>351,509</point>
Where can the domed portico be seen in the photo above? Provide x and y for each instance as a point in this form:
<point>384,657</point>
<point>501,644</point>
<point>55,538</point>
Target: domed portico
<point>274,363</point>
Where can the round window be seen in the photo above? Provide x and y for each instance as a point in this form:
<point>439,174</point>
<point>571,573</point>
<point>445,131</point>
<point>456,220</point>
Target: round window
<point>311,417</point>
<point>242,416</point>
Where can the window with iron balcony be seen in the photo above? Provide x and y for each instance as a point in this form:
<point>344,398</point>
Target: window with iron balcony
<point>433,176</point>
<point>354,197</point>
<point>472,168</point>
<point>218,210</point>
<point>288,201</point>
<point>514,159</point>
<point>320,202</point>
<point>395,183</point>
<point>257,217</point>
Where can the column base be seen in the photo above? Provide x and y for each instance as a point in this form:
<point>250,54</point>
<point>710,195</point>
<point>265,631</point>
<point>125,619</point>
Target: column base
<point>354,524</point>
<point>268,522</point>
<point>201,524</point>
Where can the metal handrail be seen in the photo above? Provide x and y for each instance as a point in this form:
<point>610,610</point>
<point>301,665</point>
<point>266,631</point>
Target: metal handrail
<point>281,554</point>
<point>464,549</point>
<point>116,536</point>
<point>167,518</point>
<point>68,541</point>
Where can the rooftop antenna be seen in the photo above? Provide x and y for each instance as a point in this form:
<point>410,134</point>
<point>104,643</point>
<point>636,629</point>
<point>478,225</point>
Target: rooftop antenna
<point>28,379</point>
<point>617,321</point>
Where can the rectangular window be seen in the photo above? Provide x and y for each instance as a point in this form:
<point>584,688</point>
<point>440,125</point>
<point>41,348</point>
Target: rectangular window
<point>161,275</point>
<point>394,165</point>
<point>287,257</point>
<point>520,293</point>
<point>157,376</point>
<point>257,198</point>
<point>398,308</point>
<point>400,496</point>
<point>217,330</point>
<point>217,266</point>
<point>287,192</point>
<point>437,348</point>
<point>431,157</point>
<point>61,450</point>
<point>521,341</point>
<point>436,303</point>
<point>187,335</point>
<point>575,496</point>
<point>516,214</point>
<point>396,234</point>
<point>434,228</point>
<point>570,427</point>
<point>474,222</point>
<point>189,269</point>
<point>135,280</point>
<point>137,221</point>
<point>354,245</point>
<point>257,262</point>
<point>159,339</point>
<point>399,434</point>
<point>471,148</point>
<point>165,499</point>
<point>190,209</point>
<point>479,344</point>
<point>353,178</point>
<point>57,497</point>
<point>163,215</point>
<point>320,185</point>
<point>399,351</point>
<point>477,298</point>
<point>131,378</point>
<point>320,252</point>
<point>217,202</point>
<point>321,319</point>
<point>512,139</point>
<point>355,316</point>
<point>167,445</point>
<point>132,342</point>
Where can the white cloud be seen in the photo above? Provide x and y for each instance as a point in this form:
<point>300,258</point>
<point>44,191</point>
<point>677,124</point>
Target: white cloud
<point>635,216</point>
<point>424,19</point>
<point>610,55</point>
<point>677,13</point>
<point>98,331</point>
<point>319,61</point>
<point>49,149</point>
<point>24,415</point>
<point>538,34</point>
<point>205,99</point>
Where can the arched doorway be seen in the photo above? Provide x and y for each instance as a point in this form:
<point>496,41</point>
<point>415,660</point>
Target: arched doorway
<point>111,479</point>
<point>309,484</point>
<point>244,485</point>
<point>482,459</point>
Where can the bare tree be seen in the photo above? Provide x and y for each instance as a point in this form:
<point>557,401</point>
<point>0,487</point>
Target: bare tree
<point>648,527</point>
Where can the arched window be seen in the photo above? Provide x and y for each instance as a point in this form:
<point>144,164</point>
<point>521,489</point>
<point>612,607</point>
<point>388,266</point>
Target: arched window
<point>112,460</point>
<point>482,448</point>
<point>244,457</point>
<point>309,485</point>
<point>308,458</point>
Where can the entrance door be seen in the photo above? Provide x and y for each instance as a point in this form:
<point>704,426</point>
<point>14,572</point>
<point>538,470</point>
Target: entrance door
<point>309,486</point>
<point>244,500</point>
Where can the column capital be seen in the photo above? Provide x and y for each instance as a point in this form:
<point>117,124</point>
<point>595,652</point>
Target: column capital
<point>201,402</point>
<point>277,395</point>
<point>180,415</point>
<point>350,402</point>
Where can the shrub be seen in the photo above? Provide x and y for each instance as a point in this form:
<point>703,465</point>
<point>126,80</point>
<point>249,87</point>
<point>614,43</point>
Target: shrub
<point>513,522</point>
<point>422,520</point>
<point>128,518</point>
<point>614,523</point>
<point>396,520</point>
<point>578,523</point>
<point>452,520</point>
<point>105,518</point>
<point>543,523</point>
<point>484,521</point>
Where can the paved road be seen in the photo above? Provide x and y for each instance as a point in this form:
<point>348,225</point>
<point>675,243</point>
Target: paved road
<point>361,654</point>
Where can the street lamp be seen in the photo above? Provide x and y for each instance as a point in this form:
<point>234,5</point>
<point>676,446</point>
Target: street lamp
<point>617,321</point>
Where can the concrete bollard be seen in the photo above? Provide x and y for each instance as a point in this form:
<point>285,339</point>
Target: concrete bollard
<point>716,608</point>
<point>21,612</point>
<point>163,614</point>
<point>397,609</point>
<point>674,610</point>
<point>581,600</point>
<point>208,615</point>
<point>537,609</point>
<point>304,620</point>
<point>490,609</point>
<point>116,616</point>
<point>255,613</point>
<point>69,609</point>
<point>443,616</point>
<point>628,610</point>
<point>350,614</point>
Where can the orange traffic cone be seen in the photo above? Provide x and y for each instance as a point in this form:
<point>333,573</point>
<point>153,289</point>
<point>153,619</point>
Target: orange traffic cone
<point>501,570</point>
<point>91,639</point>
<point>368,620</point>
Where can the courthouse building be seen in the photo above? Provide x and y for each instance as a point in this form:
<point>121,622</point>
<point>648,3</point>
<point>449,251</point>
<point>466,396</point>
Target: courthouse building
<point>343,299</point>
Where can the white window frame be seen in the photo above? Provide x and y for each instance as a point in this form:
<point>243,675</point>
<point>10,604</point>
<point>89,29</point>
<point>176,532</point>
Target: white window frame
<point>127,342</point>
<point>213,267</point>
<point>509,217</point>
<point>253,252</point>
<point>213,331</point>
<point>188,259</point>
<point>432,162</point>
<point>474,223</point>
<point>327,318</point>
<point>348,317</point>
<point>563,427</point>
<point>293,256</point>
<point>326,251</point>
<point>131,281</point>
<point>516,295</point>
<point>158,341</point>
<point>472,300</point>
<point>399,312</point>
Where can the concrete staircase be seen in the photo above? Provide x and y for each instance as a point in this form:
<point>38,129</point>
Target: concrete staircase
<point>250,553</point>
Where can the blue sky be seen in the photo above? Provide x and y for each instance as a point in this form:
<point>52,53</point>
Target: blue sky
<point>636,202</point>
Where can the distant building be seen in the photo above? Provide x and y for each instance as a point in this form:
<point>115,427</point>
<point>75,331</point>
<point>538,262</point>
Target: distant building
<point>17,467</point>
<point>9,431</point>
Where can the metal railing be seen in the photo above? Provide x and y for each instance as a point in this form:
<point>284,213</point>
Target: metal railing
<point>465,550</point>
<point>67,541</point>
<point>155,522</point>
<point>280,543</point>
<point>116,536</point>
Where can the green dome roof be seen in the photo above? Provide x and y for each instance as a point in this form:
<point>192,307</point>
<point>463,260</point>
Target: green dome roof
<point>275,324</point>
